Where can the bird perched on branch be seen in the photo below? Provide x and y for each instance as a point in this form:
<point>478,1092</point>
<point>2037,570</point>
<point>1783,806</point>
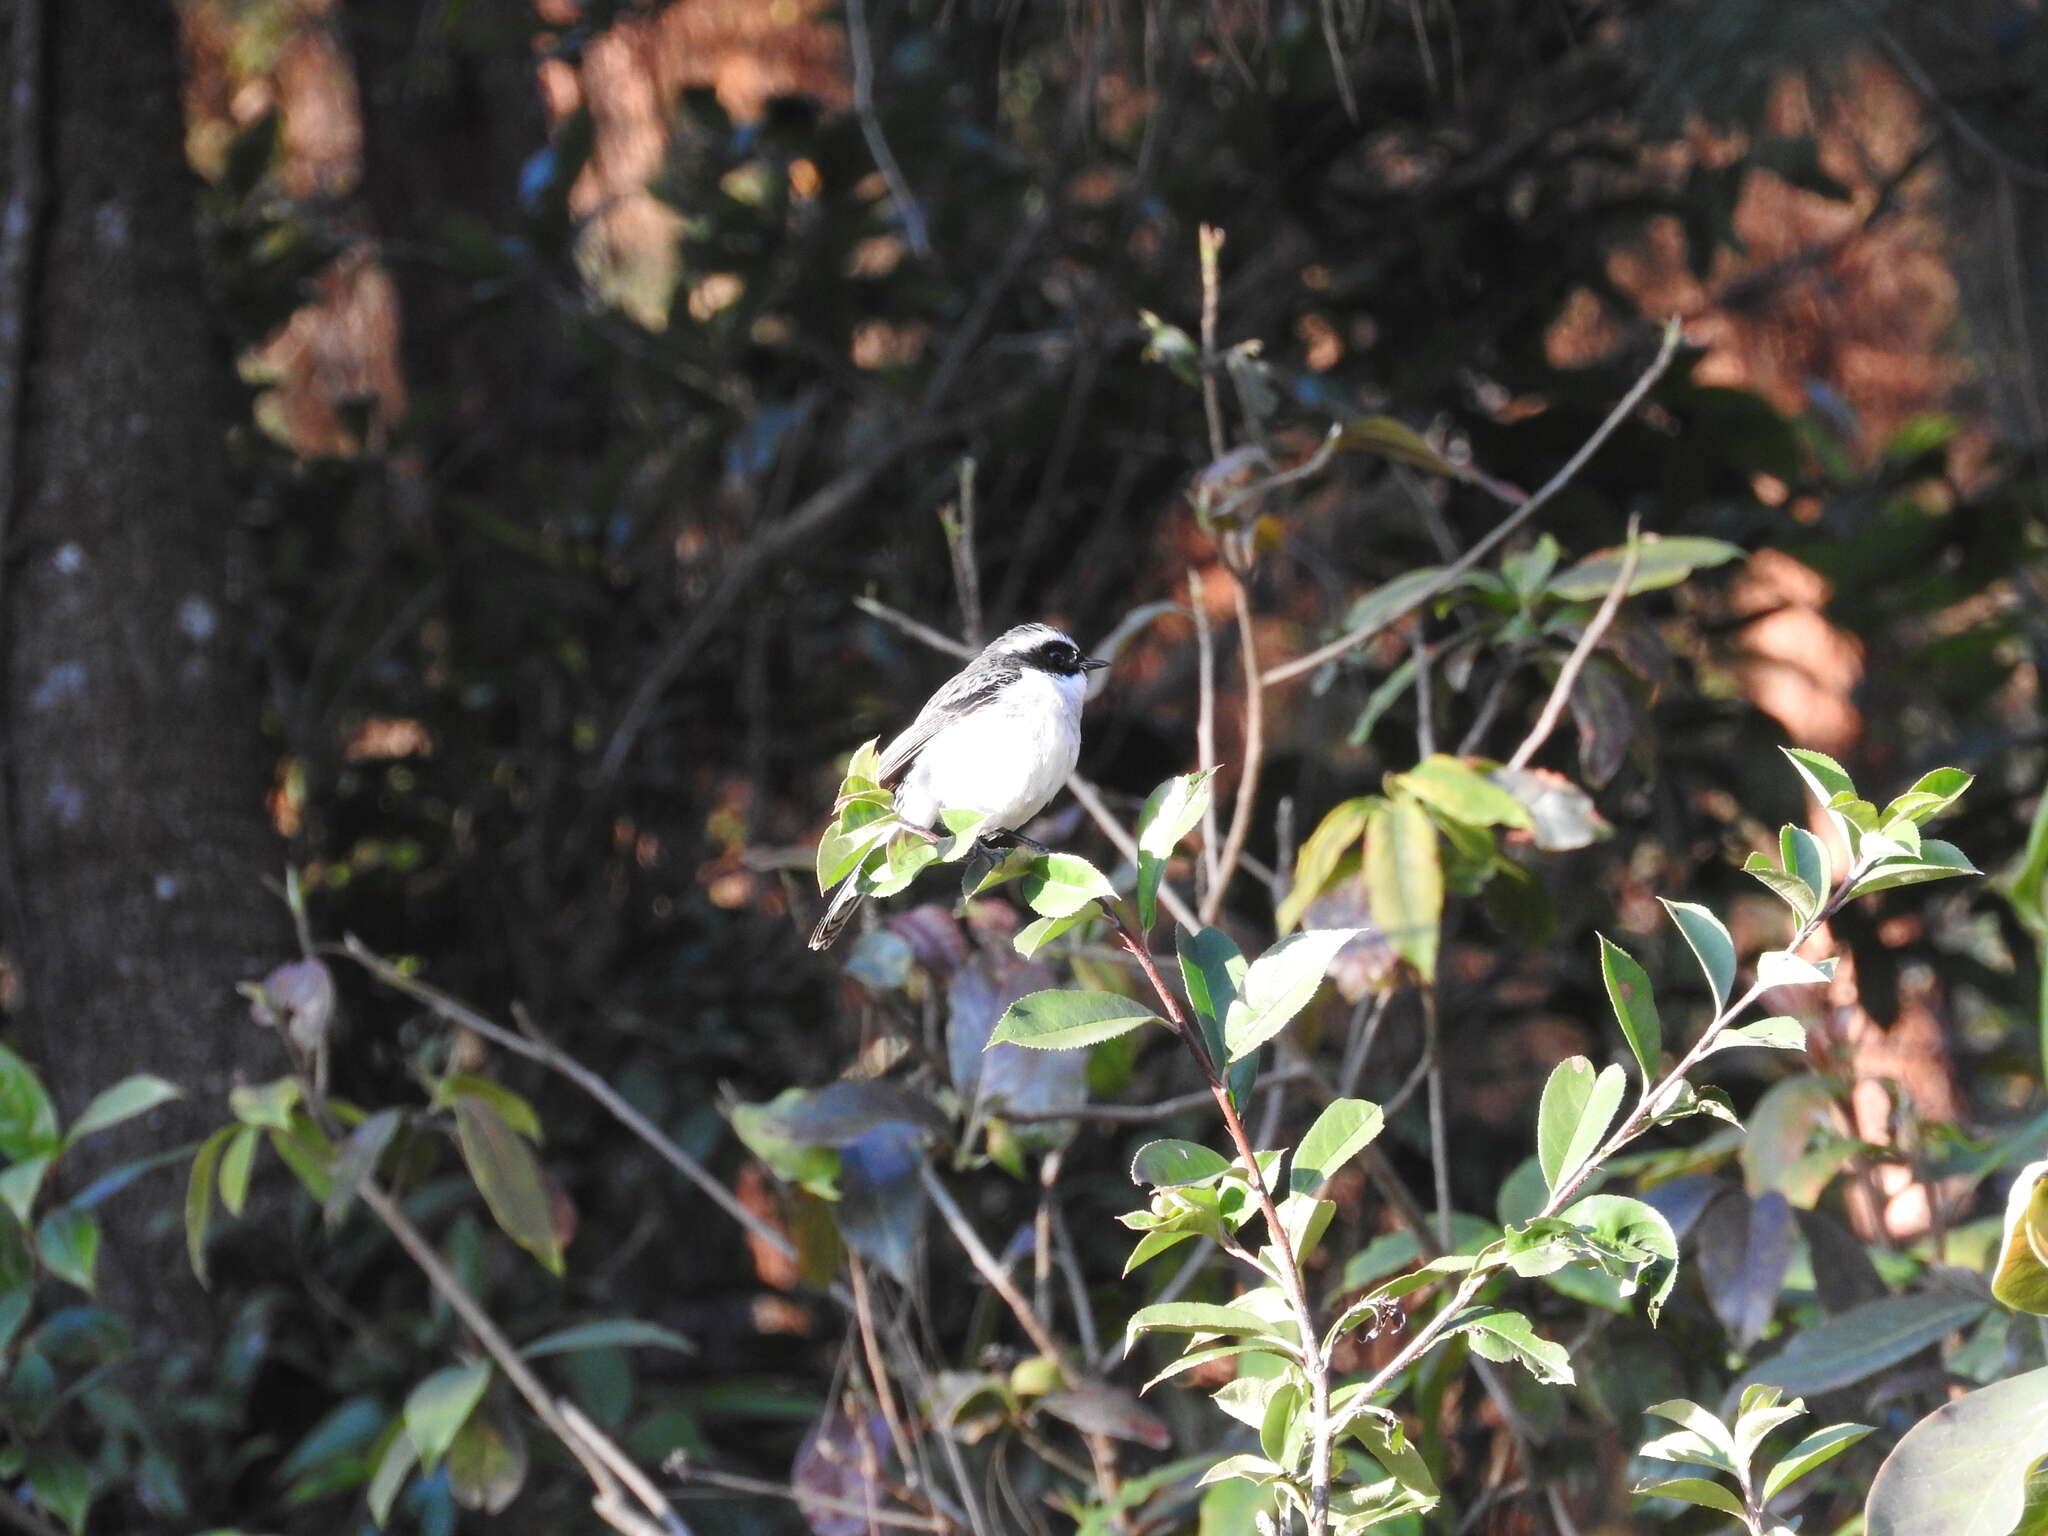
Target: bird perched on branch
<point>999,737</point>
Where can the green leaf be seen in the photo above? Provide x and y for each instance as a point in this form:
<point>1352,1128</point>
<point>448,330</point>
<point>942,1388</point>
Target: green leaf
<point>1388,602</point>
<point>1816,1450</point>
<point>1169,1164</point>
<point>609,1332</point>
<point>1343,1130</point>
<point>393,1467</point>
<point>1635,1006</point>
<point>307,1152</point>
<point>1152,1244</point>
<point>1462,792</point>
<point>130,1097</point>
<point>1782,968</point>
<point>1337,834</point>
<point>1506,1337</point>
<point>2026,886</point>
<point>235,1165</point>
<point>1572,1119</point>
<point>1711,943</point>
<point>267,1104</point>
<point>1789,888</point>
<point>1195,1317</point>
<point>904,864</point>
<point>68,1243</point>
<point>199,1197</point>
<point>1390,439</point>
<point>1660,562</point>
<point>1962,1470</point>
<point>1041,931</point>
<point>28,1120</point>
<point>1937,861</point>
<point>2020,1277</point>
<point>1779,1033</point>
<point>1864,1340</point>
<point>1061,884</point>
<point>512,1107</point>
<point>20,1184</point>
<point>1278,985</point>
<point>1636,1234</point>
<point>509,1176</point>
<point>1213,971</point>
<point>440,1405</point>
<point>59,1481</point>
<point>1061,1020</point>
<point>1701,1423</point>
<point>1404,881</point>
<point>1695,1490</point>
<point>1807,857</point>
<point>862,824</point>
<point>1170,813</point>
<point>1932,794</point>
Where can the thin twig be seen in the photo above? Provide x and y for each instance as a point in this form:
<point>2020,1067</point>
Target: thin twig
<point>992,1270</point>
<point>871,1350</point>
<point>959,528</point>
<point>581,1442</point>
<point>1568,674</point>
<point>1205,725</point>
<point>1507,525</point>
<point>1208,246</point>
<point>862,59</point>
<point>937,639</point>
<point>1439,1131</point>
<point>1917,77</point>
<point>1147,1114</point>
<point>1254,752</point>
<point>1425,713</point>
<point>556,1060</point>
<point>732,1482</point>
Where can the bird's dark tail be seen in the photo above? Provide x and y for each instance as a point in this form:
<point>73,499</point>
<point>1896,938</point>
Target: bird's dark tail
<point>845,902</point>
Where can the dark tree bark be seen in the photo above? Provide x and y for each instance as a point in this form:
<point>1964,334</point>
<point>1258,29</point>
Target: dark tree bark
<point>136,767</point>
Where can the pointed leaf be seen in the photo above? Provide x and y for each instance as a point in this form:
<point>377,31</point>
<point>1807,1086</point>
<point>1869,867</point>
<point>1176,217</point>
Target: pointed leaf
<point>1635,1005</point>
<point>130,1097</point>
<point>1792,890</point>
<point>1660,562</point>
<point>1711,943</point>
<point>1462,792</point>
<point>1170,813</point>
<point>20,1184</point>
<point>1858,1343</point>
<point>1041,931</point>
<point>1506,1337</point>
<point>1695,1490</point>
<point>28,1120</point>
<point>1061,884</point>
<point>1340,1133</point>
<point>1577,1107</point>
<point>1278,985</point>
<point>608,1333</point>
<point>440,1405</point>
<point>68,1243</point>
<point>357,1159</point>
<point>199,1197</point>
<point>1170,1164</point>
<point>2020,1277</point>
<point>1340,832</point>
<point>1196,1317</point>
<point>506,1171</point>
<point>1391,439</point>
<point>1779,1033</point>
<point>1062,1020</point>
<point>1404,881</point>
<point>236,1165</point>
<point>1816,1450</point>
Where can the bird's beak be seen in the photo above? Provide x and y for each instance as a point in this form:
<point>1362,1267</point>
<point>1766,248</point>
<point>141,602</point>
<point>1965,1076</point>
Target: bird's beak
<point>1092,663</point>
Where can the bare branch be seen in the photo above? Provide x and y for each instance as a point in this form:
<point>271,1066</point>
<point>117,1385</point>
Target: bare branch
<point>1507,525</point>
<point>1254,753</point>
<point>1568,674</point>
<point>862,57</point>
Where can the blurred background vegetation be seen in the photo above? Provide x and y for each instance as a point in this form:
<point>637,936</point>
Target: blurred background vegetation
<point>457,485</point>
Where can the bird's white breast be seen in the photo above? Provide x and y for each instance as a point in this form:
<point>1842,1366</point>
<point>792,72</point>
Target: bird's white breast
<point>1006,758</point>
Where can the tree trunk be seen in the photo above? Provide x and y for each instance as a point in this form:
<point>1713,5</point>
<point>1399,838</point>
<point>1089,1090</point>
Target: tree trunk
<point>136,768</point>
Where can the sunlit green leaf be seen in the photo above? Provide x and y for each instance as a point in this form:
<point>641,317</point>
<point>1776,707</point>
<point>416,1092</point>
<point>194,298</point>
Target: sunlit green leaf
<point>1449,785</point>
<point>1711,943</point>
<point>28,1120</point>
<point>1342,831</point>
<point>2020,1276</point>
<point>1062,1020</point>
<point>1509,1337</point>
<point>1816,1450</point>
<point>68,1243</point>
<point>1635,1006</point>
<point>1278,985</point>
<point>1404,881</point>
<point>236,1164</point>
<point>1169,1163</point>
<point>1571,1121</point>
<point>1660,562</point>
<point>1343,1130</point>
<point>20,1184</point>
<point>1061,884</point>
<point>1695,1490</point>
<point>1170,813</point>
<point>1962,1470</point>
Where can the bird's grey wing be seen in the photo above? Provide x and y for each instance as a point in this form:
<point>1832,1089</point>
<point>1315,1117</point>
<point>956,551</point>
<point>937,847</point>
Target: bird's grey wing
<point>959,695</point>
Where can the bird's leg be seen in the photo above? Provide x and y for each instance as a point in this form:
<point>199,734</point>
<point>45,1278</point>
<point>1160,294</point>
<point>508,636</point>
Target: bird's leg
<point>1003,837</point>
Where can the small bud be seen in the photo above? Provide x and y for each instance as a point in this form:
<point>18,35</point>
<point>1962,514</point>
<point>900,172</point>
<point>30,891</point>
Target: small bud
<point>297,998</point>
